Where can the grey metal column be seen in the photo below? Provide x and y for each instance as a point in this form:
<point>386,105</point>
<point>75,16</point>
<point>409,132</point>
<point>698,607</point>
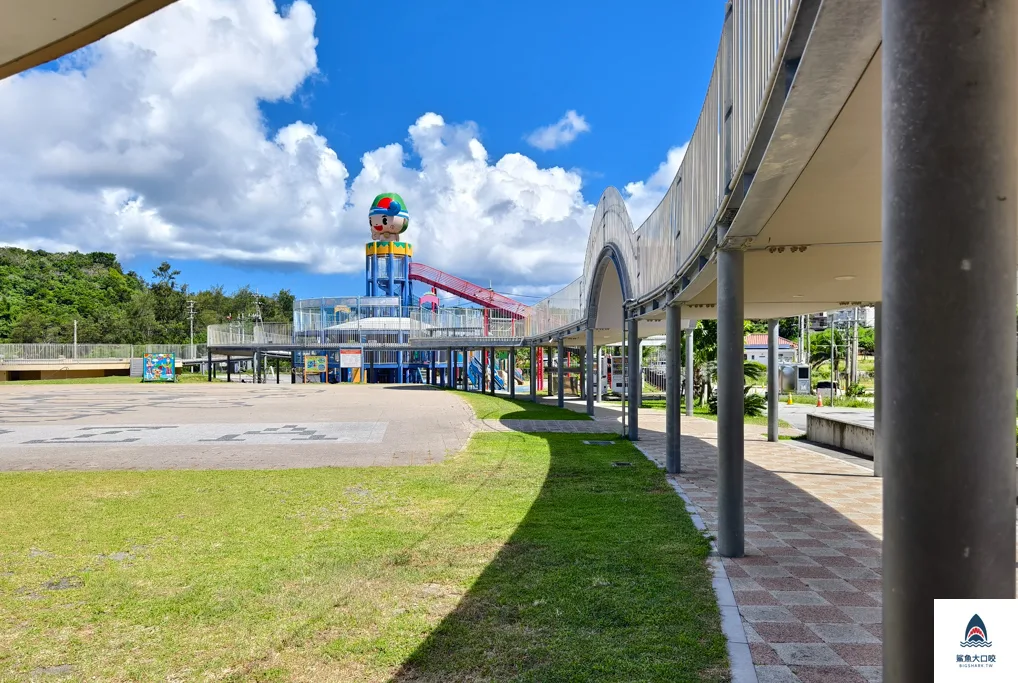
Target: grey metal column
<point>598,390</point>
<point>548,353</point>
<point>256,368</point>
<point>635,380</point>
<point>950,128</point>
<point>228,369</point>
<point>731,448</point>
<point>512,372</point>
<point>773,380</point>
<point>561,373</point>
<point>673,389</point>
<point>689,372</point>
<point>493,366</point>
<point>210,363</point>
<point>534,368</point>
<point>591,367</point>
<point>878,431</point>
<point>483,384</point>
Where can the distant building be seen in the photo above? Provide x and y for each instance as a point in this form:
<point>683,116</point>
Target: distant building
<point>867,316</point>
<point>756,349</point>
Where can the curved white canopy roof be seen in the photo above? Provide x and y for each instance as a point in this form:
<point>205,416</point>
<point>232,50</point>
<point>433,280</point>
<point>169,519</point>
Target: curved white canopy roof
<point>33,32</point>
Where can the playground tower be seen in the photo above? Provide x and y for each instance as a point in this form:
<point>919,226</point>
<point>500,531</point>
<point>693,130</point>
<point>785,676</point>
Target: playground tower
<point>387,265</point>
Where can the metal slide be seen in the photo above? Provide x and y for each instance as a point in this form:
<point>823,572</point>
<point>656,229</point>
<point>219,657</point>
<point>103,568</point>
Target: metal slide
<point>475,375</point>
<point>466,290</point>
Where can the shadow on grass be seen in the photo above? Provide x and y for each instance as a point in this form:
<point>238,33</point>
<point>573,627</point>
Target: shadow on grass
<point>603,580</point>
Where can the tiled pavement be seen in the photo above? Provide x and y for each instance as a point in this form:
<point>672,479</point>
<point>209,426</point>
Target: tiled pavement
<point>808,589</point>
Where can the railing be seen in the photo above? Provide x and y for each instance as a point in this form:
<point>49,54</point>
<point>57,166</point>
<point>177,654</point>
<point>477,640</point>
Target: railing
<point>84,353</point>
<point>491,324</point>
<point>744,69</point>
<point>367,332</point>
<point>560,309</point>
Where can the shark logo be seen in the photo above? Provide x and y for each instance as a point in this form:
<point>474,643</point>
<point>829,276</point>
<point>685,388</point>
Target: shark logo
<point>975,633</point>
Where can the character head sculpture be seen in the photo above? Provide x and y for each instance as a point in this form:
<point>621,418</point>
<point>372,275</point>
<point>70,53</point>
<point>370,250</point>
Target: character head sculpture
<point>388,217</point>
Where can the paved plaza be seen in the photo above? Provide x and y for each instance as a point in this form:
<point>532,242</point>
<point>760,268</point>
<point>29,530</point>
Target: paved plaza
<point>228,426</point>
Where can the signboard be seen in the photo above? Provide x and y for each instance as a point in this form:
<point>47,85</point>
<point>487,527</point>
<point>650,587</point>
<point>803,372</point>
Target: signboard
<point>159,367</point>
<point>349,358</point>
<point>316,363</point>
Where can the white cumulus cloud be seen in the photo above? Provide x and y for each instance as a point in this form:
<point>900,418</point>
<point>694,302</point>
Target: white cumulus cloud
<point>560,133</point>
<point>151,142</point>
<point>643,196</point>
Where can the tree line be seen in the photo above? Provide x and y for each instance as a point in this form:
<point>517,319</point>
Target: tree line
<point>43,293</point>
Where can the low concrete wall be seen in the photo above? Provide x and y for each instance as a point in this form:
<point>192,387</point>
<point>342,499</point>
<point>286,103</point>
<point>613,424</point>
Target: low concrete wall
<point>844,435</point>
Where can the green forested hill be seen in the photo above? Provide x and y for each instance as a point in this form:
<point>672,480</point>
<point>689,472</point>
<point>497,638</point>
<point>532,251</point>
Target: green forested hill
<point>41,294</point>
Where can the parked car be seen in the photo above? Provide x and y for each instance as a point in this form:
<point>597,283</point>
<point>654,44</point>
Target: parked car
<point>825,386</point>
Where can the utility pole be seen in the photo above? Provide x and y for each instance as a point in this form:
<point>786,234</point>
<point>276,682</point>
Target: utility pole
<point>75,354</point>
<point>190,315</point>
<point>855,345</point>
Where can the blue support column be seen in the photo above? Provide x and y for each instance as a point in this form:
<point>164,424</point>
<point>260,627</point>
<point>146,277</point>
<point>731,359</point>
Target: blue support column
<point>392,272</point>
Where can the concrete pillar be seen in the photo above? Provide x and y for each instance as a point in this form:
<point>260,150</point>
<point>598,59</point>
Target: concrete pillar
<point>950,128</point>
<point>673,393</point>
<point>773,380</point>
<point>731,452</point>
<point>512,373</point>
<point>534,369</point>
<point>635,380</point>
<point>561,373</point>
<point>878,447</point>
<point>689,372</point>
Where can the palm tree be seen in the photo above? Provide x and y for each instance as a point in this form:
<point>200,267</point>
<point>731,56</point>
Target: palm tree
<point>820,350</point>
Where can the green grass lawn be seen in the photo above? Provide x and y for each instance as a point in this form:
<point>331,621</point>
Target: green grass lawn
<point>489,407</point>
<point>525,558</point>
<point>701,411</point>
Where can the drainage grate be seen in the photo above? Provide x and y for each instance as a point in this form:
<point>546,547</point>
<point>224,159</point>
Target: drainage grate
<point>622,464</point>
<point>599,443</point>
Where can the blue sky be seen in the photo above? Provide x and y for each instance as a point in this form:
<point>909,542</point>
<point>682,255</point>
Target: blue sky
<point>160,153</point>
<point>637,77</point>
